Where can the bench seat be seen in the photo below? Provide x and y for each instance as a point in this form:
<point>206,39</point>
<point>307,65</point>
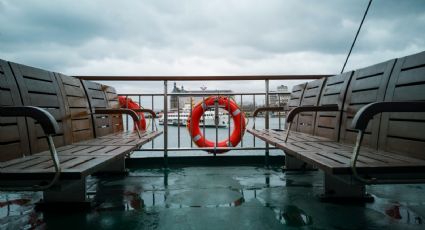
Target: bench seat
<point>129,138</point>
<point>334,158</point>
<point>372,120</point>
<point>40,166</point>
<point>58,130</point>
<point>273,136</point>
<point>92,150</point>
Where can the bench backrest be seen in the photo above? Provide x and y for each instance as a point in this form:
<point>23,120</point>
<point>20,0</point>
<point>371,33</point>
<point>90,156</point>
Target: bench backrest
<point>77,108</point>
<point>295,100</point>
<point>97,100</point>
<point>39,88</point>
<point>113,103</point>
<point>64,97</point>
<point>327,124</point>
<point>14,137</point>
<point>405,132</point>
<point>311,96</point>
<point>367,85</point>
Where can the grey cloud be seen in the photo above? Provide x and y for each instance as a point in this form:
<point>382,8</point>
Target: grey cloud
<point>206,37</point>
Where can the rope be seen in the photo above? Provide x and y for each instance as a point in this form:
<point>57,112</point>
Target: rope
<point>357,34</point>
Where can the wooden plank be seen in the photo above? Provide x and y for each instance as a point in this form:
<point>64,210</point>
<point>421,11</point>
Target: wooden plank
<point>14,141</point>
<point>81,150</point>
<point>74,167</point>
<point>366,86</point>
<point>403,132</point>
<point>45,94</point>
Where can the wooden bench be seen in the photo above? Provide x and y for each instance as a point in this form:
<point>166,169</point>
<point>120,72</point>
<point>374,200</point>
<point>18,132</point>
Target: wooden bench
<point>82,125</point>
<point>373,133</point>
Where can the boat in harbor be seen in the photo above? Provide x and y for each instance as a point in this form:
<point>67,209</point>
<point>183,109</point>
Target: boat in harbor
<point>207,120</point>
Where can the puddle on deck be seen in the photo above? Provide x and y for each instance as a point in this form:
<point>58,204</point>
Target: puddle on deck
<point>219,198</point>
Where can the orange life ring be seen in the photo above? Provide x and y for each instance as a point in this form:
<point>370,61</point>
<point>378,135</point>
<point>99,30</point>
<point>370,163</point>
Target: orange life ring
<point>130,104</point>
<point>238,120</point>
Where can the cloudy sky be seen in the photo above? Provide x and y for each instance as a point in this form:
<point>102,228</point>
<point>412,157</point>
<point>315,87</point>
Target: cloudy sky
<point>214,37</point>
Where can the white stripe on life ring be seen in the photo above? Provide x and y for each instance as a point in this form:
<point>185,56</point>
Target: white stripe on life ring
<point>204,106</point>
<point>229,144</point>
<point>236,112</point>
<point>197,138</point>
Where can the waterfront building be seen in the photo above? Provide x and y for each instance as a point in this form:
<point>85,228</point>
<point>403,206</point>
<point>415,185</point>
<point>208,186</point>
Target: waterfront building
<point>279,97</point>
<point>177,101</point>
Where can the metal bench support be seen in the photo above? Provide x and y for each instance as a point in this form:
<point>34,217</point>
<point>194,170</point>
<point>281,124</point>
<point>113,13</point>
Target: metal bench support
<point>67,195</point>
<point>338,191</point>
<point>117,168</point>
<point>294,164</point>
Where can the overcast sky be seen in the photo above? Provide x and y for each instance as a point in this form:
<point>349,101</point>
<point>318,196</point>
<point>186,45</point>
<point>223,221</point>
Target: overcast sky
<point>224,37</point>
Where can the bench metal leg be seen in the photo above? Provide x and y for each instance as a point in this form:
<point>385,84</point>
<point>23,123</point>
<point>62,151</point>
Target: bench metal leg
<point>338,191</point>
<point>294,164</point>
<point>116,168</point>
<point>67,195</point>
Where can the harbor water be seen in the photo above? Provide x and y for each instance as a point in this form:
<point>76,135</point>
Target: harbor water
<point>210,133</point>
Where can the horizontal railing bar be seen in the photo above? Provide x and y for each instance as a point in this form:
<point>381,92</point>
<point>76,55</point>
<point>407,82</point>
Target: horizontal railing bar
<point>200,94</point>
<point>206,148</point>
<point>204,78</point>
<point>142,94</point>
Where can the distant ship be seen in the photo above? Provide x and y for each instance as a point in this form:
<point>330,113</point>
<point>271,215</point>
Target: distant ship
<point>185,114</point>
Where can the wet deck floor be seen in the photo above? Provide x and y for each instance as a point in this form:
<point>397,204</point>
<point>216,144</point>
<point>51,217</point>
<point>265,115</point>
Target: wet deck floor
<point>220,198</point>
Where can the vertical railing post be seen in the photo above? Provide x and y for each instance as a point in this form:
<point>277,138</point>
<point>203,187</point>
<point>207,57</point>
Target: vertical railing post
<point>216,121</point>
<point>178,120</point>
<point>153,120</point>
<point>165,125</point>
<point>266,120</point>
<point>126,116</point>
<point>278,113</point>
<point>241,121</point>
<point>253,98</point>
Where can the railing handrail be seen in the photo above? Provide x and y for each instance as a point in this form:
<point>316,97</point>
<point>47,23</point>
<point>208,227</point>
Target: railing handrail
<point>204,78</point>
<point>203,94</point>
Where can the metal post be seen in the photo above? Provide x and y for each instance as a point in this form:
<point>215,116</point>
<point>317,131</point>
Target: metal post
<point>126,116</point>
<point>241,121</point>
<point>216,121</point>
<point>266,120</point>
<point>191,123</point>
<point>178,121</point>
<point>278,113</point>
<point>253,98</point>
<point>228,121</point>
<point>152,106</point>
<point>165,125</point>
<point>203,119</point>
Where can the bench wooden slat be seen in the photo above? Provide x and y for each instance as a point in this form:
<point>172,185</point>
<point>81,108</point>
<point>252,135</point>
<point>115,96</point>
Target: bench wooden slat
<point>367,85</point>
<point>311,96</point>
<point>15,143</point>
<point>40,88</point>
<point>92,150</point>
<point>75,167</point>
<point>404,132</point>
<point>337,164</point>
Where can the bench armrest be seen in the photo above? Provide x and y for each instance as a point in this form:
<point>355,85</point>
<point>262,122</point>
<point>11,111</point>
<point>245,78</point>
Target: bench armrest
<point>271,109</point>
<point>151,112</point>
<point>327,108</point>
<point>46,120</point>
<point>130,112</point>
<point>50,128</point>
<point>366,113</point>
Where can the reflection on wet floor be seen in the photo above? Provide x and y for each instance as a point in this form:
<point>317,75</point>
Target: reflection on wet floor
<point>220,198</point>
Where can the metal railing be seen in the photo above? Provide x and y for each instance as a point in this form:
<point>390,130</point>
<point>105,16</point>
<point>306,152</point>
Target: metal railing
<point>166,96</point>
